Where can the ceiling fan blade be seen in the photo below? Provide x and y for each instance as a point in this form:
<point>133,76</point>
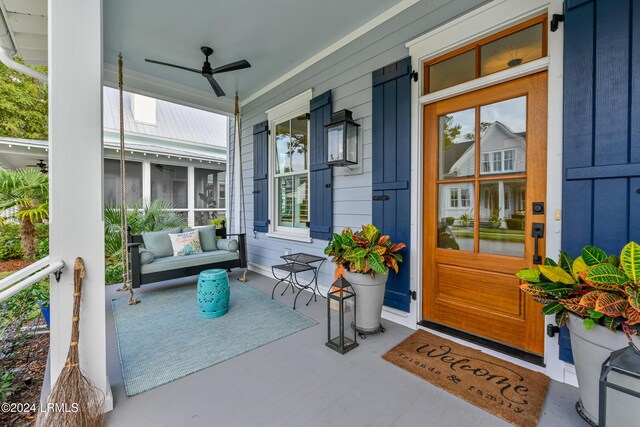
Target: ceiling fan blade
<point>238,65</point>
<point>214,84</point>
<point>194,70</point>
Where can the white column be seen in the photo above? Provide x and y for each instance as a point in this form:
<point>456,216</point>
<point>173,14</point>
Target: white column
<point>191,203</point>
<point>75,192</point>
<point>146,182</point>
<point>501,206</point>
<point>237,165</point>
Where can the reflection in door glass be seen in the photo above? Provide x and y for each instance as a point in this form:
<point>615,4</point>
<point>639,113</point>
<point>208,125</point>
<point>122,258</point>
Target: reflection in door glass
<point>502,205</point>
<point>503,137</point>
<point>455,216</point>
<point>457,137</point>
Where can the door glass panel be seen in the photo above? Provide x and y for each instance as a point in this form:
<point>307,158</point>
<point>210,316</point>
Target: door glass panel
<point>503,136</point>
<point>457,135</point>
<point>501,228</point>
<point>455,216</point>
<point>512,50</point>
<point>450,72</point>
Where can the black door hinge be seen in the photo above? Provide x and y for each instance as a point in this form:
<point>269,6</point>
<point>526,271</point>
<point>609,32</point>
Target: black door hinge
<point>308,116</point>
<point>269,132</point>
<point>414,76</point>
<point>413,295</point>
<point>268,222</point>
<point>555,20</point>
<point>552,330</point>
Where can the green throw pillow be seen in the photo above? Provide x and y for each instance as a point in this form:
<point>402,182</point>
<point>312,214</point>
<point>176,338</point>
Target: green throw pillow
<point>159,243</point>
<point>208,238</point>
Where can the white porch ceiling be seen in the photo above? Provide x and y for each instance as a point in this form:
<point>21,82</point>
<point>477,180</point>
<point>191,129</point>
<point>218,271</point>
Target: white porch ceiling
<point>274,36</point>
<point>27,24</point>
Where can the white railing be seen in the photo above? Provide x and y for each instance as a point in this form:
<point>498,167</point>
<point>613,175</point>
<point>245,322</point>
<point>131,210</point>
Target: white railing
<point>14,283</point>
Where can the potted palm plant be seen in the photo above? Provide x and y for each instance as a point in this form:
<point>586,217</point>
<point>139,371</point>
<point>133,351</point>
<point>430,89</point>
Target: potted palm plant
<point>598,297</point>
<point>365,257</point>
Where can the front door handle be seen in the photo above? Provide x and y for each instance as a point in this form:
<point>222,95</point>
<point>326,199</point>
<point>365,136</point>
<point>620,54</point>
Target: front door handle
<point>537,232</point>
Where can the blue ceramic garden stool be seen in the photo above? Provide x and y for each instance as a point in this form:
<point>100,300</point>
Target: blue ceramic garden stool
<point>213,293</point>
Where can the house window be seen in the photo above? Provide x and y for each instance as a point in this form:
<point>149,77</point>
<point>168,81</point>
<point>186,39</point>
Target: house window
<point>112,182</point>
<point>498,161</point>
<point>459,198</point>
<point>465,198</point>
<point>208,203</point>
<point>453,200</point>
<point>509,156</point>
<point>169,184</point>
<point>289,168</point>
<point>486,162</point>
<point>510,48</point>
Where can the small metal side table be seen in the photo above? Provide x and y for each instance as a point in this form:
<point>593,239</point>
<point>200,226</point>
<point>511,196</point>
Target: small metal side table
<point>298,263</point>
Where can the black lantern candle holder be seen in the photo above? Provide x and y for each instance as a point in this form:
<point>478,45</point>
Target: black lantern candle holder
<point>342,139</point>
<point>341,317</point>
<point>620,388</point>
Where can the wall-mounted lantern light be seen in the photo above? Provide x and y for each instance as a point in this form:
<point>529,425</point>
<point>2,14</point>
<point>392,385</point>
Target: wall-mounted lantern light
<point>342,139</point>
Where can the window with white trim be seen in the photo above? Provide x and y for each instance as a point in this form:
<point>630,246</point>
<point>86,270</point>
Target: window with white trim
<point>289,167</point>
<point>500,161</point>
<point>459,198</point>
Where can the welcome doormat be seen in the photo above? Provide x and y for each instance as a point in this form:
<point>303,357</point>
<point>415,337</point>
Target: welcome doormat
<point>509,391</point>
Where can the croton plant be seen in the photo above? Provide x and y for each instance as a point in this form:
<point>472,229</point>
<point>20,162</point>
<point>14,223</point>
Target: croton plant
<point>599,288</point>
<point>367,251</point>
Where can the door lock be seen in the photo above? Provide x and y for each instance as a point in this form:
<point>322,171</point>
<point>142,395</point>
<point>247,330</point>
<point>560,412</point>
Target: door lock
<point>537,232</point>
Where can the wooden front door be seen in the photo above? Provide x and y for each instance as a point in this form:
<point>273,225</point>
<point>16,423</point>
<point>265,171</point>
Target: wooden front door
<point>484,168</point>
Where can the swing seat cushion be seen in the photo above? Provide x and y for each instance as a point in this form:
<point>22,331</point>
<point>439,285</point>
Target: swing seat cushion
<point>159,242</point>
<point>177,262</point>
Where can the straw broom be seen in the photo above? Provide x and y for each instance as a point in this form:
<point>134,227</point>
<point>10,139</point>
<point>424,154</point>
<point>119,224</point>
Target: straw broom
<point>73,401</point>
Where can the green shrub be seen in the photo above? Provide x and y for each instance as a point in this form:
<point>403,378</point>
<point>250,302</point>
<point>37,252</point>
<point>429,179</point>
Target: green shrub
<point>6,384</point>
<point>515,224</point>
<point>154,217</point>
<point>10,241</point>
<point>449,220</point>
<point>112,271</point>
<point>218,222</point>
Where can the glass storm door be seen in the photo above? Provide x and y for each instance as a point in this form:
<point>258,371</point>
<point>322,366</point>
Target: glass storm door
<point>484,167</point>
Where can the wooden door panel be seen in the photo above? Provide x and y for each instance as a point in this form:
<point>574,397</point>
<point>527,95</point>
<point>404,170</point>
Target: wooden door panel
<point>465,289</point>
<point>468,286</point>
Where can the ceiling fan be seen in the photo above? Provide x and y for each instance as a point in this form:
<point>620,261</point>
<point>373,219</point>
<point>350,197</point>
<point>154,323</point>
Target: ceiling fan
<point>208,72</point>
<point>42,165</point>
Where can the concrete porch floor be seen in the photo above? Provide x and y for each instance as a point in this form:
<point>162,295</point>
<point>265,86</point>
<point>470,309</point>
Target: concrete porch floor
<point>298,381</point>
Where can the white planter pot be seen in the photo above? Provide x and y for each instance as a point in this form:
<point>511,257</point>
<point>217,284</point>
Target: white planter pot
<point>590,350</point>
<point>369,299</point>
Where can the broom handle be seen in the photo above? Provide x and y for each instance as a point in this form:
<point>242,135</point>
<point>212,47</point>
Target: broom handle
<point>78,274</point>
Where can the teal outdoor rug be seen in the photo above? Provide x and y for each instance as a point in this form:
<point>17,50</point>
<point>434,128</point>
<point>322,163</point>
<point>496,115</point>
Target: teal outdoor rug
<point>164,338</point>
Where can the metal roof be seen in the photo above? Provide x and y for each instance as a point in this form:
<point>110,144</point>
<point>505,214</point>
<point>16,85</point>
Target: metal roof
<point>173,121</point>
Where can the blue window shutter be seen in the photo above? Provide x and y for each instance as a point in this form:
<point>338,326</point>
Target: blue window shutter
<point>391,141</point>
<point>261,177</point>
<point>564,342</point>
<point>601,135</point>
<point>320,179</point>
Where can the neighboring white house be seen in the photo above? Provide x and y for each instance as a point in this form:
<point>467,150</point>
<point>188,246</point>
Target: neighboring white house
<point>174,153</point>
<point>502,151</point>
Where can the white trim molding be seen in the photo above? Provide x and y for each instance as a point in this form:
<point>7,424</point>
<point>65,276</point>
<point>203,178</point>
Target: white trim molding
<point>489,19</point>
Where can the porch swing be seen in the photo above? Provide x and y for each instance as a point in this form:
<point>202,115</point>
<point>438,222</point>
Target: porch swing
<point>131,275</point>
